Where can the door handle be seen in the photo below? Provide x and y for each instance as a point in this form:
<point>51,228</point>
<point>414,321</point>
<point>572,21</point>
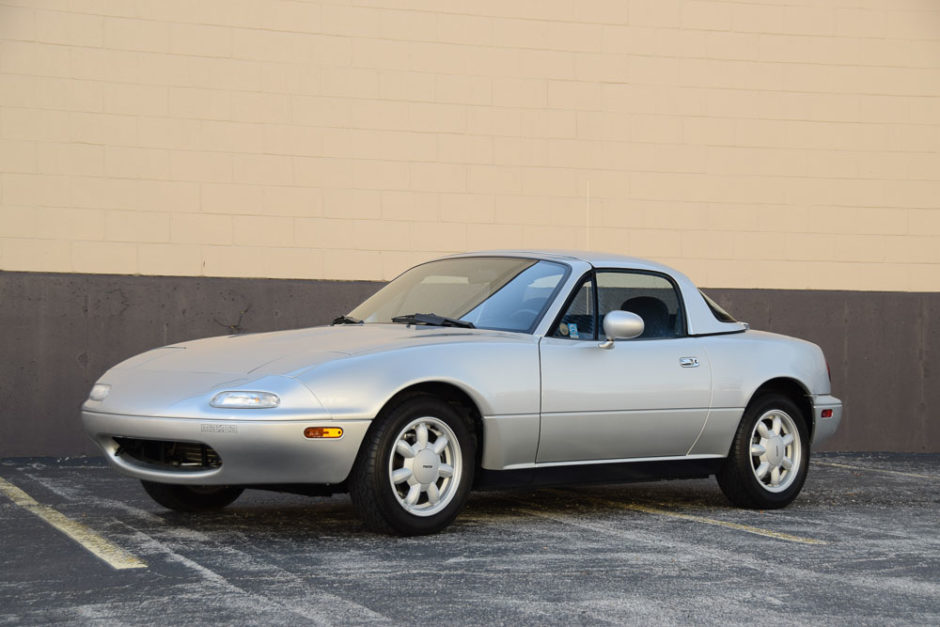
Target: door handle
<point>688,362</point>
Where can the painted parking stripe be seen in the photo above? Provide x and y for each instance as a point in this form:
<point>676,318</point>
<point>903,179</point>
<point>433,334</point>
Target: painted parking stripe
<point>758,531</point>
<point>111,554</point>
<point>658,511</point>
<point>882,470</point>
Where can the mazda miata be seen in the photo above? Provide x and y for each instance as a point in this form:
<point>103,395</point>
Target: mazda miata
<point>475,370</point>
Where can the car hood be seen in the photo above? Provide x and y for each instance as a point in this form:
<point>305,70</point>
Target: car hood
<point>179,378</point>
<point>287,353</point>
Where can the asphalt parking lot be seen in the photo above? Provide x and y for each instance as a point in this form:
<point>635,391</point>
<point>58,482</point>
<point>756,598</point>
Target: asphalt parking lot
<point>859,546</point>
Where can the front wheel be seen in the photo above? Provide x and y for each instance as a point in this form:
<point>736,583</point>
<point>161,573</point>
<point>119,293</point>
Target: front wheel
<point>415,469</point>
<point>769,457</point>
<point>185,498</point>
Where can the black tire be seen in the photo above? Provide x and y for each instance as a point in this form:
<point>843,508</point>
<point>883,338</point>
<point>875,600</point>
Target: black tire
<point>186,498</point>
<point>740,475</point>
<point>381,501</point>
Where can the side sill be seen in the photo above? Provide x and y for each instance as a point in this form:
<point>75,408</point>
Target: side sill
<point>592,472</point>
<point>610,462</point>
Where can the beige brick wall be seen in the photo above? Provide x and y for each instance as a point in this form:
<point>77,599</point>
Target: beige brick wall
<point>777,143</point>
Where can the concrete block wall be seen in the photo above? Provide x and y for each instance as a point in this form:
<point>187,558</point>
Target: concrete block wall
<point>177,152</point>
<point>786,144</point>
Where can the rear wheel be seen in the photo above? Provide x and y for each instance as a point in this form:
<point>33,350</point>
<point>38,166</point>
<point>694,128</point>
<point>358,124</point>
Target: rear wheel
<point>196,498</point>
<point>415,469</point>
<point>769,457</point>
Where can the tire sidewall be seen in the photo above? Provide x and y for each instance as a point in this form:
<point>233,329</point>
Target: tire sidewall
<point>387,431</point>
<point>760,496</point>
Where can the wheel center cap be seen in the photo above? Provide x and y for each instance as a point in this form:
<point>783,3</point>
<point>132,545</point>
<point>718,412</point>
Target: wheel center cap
<point>775,450</point>
<point>426,466</point>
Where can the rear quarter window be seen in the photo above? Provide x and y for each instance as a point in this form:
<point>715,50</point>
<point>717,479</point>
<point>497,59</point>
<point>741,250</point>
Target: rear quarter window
<point>720,314</point>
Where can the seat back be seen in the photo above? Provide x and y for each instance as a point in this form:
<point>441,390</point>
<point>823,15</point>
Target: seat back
<point>655,315</point>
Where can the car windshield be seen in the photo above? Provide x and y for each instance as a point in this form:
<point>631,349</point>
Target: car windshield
<point>503,293</point>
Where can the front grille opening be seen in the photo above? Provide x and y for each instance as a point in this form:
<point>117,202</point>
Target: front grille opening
<point>182,456</point>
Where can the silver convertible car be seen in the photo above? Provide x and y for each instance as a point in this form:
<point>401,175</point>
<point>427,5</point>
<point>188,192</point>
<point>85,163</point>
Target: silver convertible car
<point>472,371</point>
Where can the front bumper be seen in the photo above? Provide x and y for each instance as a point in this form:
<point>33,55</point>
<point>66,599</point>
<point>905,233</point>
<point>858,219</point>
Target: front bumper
<point>825,427</point>
<point>252,452</point>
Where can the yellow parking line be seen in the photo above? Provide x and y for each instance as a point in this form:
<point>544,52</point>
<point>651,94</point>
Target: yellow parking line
<point>111,554</point>
<point>890,472</point>
<point>767,533</point>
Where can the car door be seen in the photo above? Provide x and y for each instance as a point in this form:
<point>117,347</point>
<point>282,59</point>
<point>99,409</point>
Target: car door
<point>645,397</point>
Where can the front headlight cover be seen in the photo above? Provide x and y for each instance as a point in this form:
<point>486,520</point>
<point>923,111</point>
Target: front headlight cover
<point>99,392</point>
<point>244,399</point>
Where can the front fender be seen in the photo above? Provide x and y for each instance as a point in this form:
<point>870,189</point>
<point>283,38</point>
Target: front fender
<point>502,377</point>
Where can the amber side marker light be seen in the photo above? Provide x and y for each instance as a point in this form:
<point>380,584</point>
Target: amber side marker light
<point>827,413</point>
<point>315,433</point>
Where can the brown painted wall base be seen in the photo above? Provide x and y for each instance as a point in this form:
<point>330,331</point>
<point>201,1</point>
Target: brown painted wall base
<point>59,332</point>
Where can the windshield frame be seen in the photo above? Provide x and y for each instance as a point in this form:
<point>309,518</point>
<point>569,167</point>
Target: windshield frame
<point>533,261</point>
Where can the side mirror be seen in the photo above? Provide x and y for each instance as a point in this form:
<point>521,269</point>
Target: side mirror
<point>621,325</point>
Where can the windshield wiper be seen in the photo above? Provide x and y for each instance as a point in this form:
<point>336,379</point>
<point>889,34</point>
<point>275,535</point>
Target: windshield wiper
<point>346,320</point>
<point>433,320</point>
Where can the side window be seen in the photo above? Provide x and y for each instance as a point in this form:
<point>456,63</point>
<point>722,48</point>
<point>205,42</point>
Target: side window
<point>577,323</point>
<point>650,296</point>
